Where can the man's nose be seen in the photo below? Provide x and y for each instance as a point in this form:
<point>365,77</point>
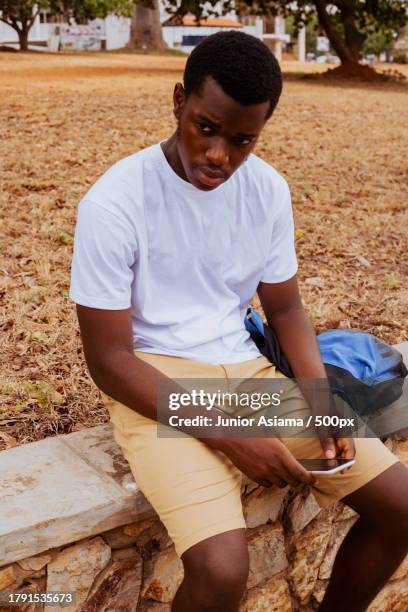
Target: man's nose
<point>217,153</point>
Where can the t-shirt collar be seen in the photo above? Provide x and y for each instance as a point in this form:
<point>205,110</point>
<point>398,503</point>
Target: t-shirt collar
<point>181,184</point>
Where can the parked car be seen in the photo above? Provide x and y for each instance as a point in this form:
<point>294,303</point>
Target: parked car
<point>333,59</point>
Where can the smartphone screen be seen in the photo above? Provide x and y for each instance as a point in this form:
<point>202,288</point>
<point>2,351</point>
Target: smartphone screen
<point>324,465</point>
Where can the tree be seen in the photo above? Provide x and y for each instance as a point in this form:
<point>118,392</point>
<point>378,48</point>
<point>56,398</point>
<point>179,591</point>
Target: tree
<point>20,15</point>
<point>346,23</point>
<point>146,32</point>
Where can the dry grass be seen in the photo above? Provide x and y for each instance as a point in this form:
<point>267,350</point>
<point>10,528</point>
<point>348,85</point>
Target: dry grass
<point>64,120</point>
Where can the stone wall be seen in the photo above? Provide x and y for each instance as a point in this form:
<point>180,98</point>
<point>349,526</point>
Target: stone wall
<point>292,544</point>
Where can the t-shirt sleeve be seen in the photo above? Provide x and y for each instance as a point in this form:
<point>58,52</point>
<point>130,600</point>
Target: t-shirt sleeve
<point>281,263</point>
<point>105,251</point>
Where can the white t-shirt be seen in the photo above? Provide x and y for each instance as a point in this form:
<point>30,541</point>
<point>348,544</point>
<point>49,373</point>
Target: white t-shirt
<point>186,261</point>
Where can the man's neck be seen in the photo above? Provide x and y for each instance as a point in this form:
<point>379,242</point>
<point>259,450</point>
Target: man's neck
<point>170,150</point>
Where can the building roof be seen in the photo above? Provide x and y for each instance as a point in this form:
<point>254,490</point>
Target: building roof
<point>209,22</point>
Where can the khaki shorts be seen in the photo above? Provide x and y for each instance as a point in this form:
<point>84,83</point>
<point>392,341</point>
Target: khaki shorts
<point>196,491</point>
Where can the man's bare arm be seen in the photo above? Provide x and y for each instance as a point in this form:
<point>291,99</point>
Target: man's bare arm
<point>116,370</point>
<point>284,312</point>
<point>108,346</point>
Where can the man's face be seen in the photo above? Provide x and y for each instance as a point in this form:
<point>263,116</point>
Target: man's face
<point>216,133</point>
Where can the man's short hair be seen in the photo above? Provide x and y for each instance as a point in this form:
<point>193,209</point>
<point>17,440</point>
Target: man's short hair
<point>241,64</point>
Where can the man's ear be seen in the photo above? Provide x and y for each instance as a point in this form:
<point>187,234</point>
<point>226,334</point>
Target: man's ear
<point>179,98</point>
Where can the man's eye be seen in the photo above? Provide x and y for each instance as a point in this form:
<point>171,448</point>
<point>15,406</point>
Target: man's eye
<point>206,129</point>
<point>243,141</point>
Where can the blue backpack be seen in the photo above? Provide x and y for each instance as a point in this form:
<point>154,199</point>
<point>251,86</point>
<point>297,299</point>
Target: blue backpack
<point>363,370</point>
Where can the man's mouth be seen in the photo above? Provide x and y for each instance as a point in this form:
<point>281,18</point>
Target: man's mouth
<point>210,178</point>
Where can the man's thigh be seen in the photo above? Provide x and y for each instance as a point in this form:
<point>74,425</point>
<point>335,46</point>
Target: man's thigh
<point>195,491</point>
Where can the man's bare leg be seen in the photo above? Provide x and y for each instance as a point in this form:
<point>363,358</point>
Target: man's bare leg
<point>376,544</point>
<point>215,574</point>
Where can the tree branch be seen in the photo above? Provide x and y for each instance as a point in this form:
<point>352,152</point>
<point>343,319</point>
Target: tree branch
<point>14,24</point>
<point>33,18</point>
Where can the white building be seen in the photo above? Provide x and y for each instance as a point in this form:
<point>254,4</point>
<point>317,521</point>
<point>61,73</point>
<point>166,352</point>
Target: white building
<point>184,34</point>
<point>114,32</point>
<point>50,33</point>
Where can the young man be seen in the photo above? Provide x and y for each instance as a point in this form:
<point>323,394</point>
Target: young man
<point>171,244</point>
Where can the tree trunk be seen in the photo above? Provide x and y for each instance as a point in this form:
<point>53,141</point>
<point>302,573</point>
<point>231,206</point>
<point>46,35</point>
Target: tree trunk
<point>146,32</point>
<point>23,37</point>
<point>353,37</point>
<point>348,50</point>
<point>331,33</point>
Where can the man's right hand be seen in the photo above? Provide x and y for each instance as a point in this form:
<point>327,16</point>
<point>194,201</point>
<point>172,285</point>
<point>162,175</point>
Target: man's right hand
<point>266,461</point>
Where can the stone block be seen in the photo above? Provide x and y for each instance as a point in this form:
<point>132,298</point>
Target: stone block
<point>344,512</point>
<point>162,576</point>
<point>8,576</point>
<point>117,587</point>
<point>34,563</point>
<point>402,571</point>
<point>307,550</point>
<point>13,576</point>
<point>52,496</point>
<point>75,569</point>
<point>267,555</point>
<point>263,505</point>
<point>392,598</point>
<point>153,540</point>
<point>272,596</point>
<point>303,509</point>
<point>319,590</point>
<point>34,586</point>
<point>98,448</point>
<point>126,535</point>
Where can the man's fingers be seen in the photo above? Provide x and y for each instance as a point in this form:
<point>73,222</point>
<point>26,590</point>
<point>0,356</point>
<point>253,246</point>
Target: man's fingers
<point>329,448</point>
<point>280,483</point>
<point>293,480</point>
<point>346,447</point>
<point>297,471</point>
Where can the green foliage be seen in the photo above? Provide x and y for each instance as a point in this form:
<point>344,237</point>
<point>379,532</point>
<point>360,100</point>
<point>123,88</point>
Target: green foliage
<point>378,42</point>
<point>83,10</point>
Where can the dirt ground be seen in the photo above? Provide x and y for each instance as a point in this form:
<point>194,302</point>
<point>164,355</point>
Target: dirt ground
<point>65,119</point>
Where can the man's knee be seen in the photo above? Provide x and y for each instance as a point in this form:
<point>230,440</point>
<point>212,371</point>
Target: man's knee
<point>218,567</point>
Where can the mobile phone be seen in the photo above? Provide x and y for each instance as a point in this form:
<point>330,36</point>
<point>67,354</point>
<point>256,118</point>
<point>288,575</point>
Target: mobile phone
<point>326,466</point>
